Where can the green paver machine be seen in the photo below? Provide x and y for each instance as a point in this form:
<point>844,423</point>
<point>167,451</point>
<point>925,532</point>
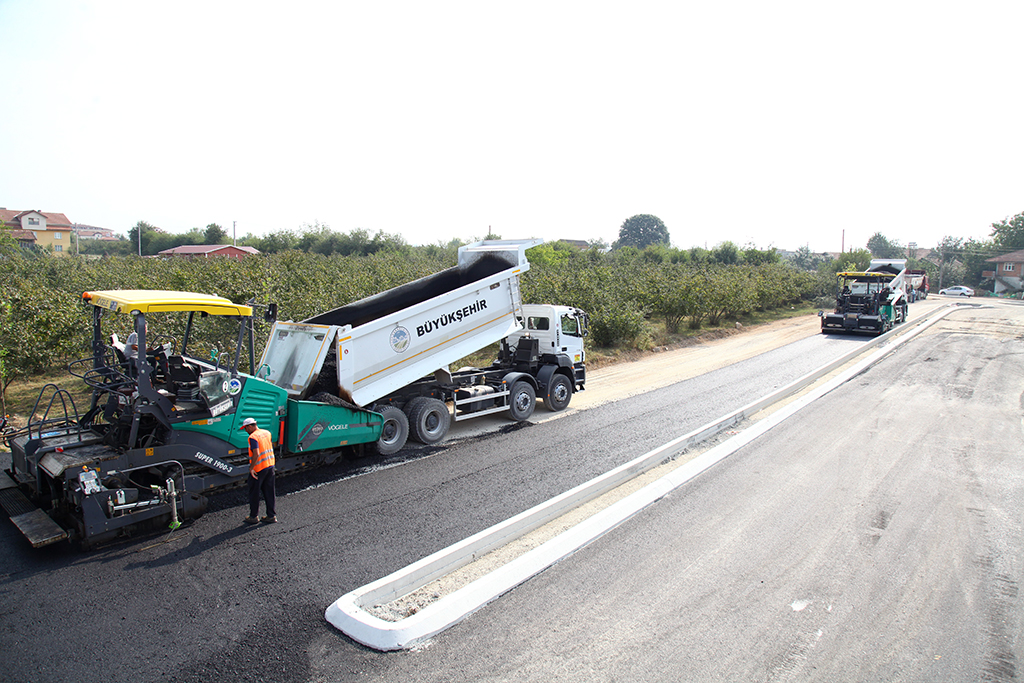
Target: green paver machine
<point>870,301</point>
<point>161,430</point>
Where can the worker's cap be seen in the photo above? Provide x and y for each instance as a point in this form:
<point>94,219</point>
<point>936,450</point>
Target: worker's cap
<point>248,421</point>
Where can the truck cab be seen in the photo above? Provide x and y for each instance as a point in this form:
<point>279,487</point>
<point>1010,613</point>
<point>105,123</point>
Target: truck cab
<point>554,337</point>
<point>558,330</point>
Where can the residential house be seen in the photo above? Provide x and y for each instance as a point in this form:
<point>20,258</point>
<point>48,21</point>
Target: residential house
<point>1008,274</point>
<point>209,251</point>
<point>41,229</point>
<point>90,232</point>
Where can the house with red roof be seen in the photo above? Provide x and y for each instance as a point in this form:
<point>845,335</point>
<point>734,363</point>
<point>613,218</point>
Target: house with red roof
<point>209,251</point>
<point>1008,273</point>
<point>40,229</point>
<point>91,232</point>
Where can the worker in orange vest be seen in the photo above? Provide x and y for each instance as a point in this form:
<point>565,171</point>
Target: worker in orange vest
<point>261,472</point>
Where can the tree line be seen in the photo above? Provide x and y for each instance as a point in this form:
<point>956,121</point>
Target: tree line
<point>316,238</point>
<point>637,289</point>
<point>953,260</point>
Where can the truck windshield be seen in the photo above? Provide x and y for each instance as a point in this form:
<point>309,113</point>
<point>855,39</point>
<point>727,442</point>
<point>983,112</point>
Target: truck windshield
<point>570,326</point>
<point>865,287</point>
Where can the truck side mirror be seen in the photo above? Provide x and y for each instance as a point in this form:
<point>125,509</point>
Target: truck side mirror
<point>271,313</point>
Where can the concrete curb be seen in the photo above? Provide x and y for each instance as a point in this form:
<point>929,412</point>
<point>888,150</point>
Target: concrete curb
<point>348,613</point>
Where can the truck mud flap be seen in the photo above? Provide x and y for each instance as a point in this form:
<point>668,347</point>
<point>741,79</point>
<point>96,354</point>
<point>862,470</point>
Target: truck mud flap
<point>33,523</point>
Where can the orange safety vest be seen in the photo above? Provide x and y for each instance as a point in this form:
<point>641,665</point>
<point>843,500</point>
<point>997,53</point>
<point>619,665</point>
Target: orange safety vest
<point>261,453</point>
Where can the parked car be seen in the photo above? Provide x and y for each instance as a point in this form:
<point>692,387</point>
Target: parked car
<point>957,291</point>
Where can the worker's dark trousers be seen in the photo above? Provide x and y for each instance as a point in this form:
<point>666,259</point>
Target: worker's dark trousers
<point>264,482</point>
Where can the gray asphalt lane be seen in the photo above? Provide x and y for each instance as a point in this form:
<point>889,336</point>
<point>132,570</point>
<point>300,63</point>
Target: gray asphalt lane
<point>875,537</point>
<point>221,601</point>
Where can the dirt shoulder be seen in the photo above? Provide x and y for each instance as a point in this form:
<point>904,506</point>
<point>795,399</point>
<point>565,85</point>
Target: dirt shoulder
<point>659,368</point>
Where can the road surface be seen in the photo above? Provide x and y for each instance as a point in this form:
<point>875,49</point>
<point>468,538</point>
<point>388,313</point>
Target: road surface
<point>822,526</point>
<point>875,537</point>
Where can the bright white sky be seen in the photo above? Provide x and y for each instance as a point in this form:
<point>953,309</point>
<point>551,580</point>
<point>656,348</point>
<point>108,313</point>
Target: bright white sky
<point>783,123</point>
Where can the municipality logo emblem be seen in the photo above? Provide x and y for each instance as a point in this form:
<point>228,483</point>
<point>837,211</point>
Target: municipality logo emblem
<point>400,339</point>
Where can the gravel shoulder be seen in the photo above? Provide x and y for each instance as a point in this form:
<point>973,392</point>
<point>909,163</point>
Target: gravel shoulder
<point>663,368</point>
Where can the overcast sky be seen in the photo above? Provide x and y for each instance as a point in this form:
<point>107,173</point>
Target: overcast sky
<point>776,123</point>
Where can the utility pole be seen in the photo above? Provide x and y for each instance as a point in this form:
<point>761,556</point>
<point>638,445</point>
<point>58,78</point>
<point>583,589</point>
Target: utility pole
<point>942,262</point>
<point>234,233</point>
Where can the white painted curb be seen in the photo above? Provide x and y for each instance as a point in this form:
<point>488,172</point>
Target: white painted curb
<point>347,613</point>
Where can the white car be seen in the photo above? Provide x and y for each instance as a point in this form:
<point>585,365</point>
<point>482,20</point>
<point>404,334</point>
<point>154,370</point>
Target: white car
<point>957,291</point>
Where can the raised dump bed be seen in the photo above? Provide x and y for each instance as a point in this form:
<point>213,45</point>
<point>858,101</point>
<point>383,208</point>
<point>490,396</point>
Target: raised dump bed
<point>388,341</point>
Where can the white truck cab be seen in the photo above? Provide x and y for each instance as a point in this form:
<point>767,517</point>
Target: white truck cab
<point>558,329</point>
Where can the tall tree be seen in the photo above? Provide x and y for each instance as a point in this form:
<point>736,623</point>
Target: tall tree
<point>881,247</point>
<point>963,261</point>
<point>950,253</point>
<point>727,253</point>
<point>215,234</point>
<point>642,230</point>
<point>1008,234</point>
<point>806,260</point>
<point>148,233</point>
<point>975,253</point>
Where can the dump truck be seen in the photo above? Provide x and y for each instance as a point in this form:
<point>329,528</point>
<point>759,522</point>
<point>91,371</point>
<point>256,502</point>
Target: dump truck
<point>917,285</point>
<point>162,431</point>
<point>869,302</point>
<point>394,350</point>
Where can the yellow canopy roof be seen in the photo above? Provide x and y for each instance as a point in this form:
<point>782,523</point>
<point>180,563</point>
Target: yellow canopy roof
<point>161,301</point>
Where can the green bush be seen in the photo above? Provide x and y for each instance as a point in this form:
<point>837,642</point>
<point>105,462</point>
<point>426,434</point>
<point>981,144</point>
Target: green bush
<point>617,325</point>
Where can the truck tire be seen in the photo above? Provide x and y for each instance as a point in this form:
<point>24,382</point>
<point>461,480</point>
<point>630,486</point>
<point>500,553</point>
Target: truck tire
<point>429,420</point>
<point>395,432</point>
<point>559,393</point>
<point>521,401</point>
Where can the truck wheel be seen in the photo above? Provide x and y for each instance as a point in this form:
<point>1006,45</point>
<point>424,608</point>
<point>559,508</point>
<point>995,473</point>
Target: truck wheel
<point>429,420</point>
<point>521,401</point>
<point>395,431</point>
<point>559,393</point>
